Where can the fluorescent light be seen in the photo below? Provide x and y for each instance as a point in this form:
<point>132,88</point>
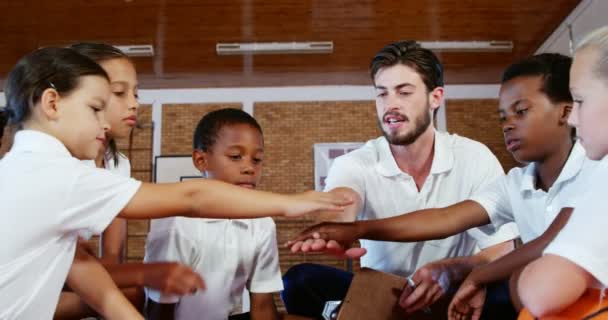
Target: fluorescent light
<point>143,50</point>
<point>468,46</point>
<point>318,47</point>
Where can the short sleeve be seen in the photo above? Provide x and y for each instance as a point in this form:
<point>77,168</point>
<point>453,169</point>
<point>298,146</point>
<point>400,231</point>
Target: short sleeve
<point>583,238</point>
<point>494,198</point>
<point>346,172</point>
<point>266,272</point>
<point>96,197</point>
<point>489,176</point>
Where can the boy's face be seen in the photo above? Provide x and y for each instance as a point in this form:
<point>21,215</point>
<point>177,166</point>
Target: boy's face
<point>403,104</point>
<point>79,117</point>
<point>531,123</point>
<point>590,109</point>
<point>236,157</point>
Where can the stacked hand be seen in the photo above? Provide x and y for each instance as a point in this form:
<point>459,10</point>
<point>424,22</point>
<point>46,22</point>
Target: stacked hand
<point>425,287</point>
<point>173,278</point>
<point>468,301</point>
<point>329,237</point>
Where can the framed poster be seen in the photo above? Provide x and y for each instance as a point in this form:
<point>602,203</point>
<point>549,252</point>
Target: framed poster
<point>174,168</point>
<point>324,155</point>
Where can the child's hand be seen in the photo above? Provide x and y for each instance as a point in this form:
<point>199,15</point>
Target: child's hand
<point>468,301</point>
<point>173,278</point>
<point>315,202</point>
<point>329,237</point>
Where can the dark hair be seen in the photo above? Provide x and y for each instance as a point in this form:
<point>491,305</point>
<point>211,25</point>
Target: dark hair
<point>3,121</point>
<point>554,68</point>
<point>57,68</point>
<point>411,54</point>
<point>100,52</point>
<point>208,127</point>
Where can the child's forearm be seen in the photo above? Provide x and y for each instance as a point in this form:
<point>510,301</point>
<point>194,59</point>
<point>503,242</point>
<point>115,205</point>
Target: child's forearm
<point>502,268</point>
<point>426,224</point>
<point>127,275</point>
<point>263,307</point>
<point>113,239</point>
<point>206,198</point>
<point>91,281</point>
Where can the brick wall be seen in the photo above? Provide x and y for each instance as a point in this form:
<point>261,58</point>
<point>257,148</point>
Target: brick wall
<point>478,120</point>
<point>179,122</point>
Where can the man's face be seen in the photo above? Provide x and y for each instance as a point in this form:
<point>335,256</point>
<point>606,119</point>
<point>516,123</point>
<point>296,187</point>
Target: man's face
<point>403,104</point>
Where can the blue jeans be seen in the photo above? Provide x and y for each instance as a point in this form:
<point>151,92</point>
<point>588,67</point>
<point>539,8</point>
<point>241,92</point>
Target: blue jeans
<point>308,286</point>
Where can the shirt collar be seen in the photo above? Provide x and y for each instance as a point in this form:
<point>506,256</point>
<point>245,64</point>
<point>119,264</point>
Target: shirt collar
<point>39,142</point>
<point>573,166</point>
<point>443,157</point>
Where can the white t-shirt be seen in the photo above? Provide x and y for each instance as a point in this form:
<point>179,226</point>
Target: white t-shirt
<point>515,198</point>
<point>48,197</point>
<point>230,255</point>
<point>583,239</point>
<point>460,168</point>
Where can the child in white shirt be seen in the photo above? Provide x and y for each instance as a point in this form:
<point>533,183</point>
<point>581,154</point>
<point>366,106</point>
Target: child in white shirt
<point>232,255</point>
<point>57,98</point>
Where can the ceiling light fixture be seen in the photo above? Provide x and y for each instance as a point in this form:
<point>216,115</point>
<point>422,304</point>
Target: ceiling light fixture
<point>237,48</point>
<point>468,46</point>
<point>143,50</point>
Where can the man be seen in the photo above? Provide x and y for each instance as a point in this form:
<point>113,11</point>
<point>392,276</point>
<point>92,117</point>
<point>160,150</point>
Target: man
<point>411,167</point>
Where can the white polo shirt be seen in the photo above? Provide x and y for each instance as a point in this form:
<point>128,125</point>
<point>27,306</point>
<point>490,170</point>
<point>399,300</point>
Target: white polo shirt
<point>230,255</point>
<point>48,197</point>
<point>123,168</point>
<point>515,198</point>
<point>461,167</point>
<point>583,239</point>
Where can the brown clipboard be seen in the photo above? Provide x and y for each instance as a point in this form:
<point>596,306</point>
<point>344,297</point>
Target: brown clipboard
<point>374,295</point>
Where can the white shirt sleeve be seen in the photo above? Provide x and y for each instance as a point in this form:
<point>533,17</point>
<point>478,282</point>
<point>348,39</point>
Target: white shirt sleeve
<point>346,172</point>
<point>96,197</point>
<point>583,239</point>
<point>487,171</point>
<point>168,246</point>
<point>494,198</point>
<point>266,272</point>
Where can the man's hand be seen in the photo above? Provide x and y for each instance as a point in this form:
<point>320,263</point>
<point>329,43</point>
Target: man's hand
<point>425,287</point>
<point>334,238</point>
<point>468,301</point>
<point>173,278</point>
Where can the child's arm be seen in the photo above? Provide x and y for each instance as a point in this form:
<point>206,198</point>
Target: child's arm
<point>89,279</point>
<point>215,199</point>
<point>263,307</point>
<point>415,226</point>
<point>466,300</point>
<point>113,240</point>
<point>167,277</point>
<point>552,283</point>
